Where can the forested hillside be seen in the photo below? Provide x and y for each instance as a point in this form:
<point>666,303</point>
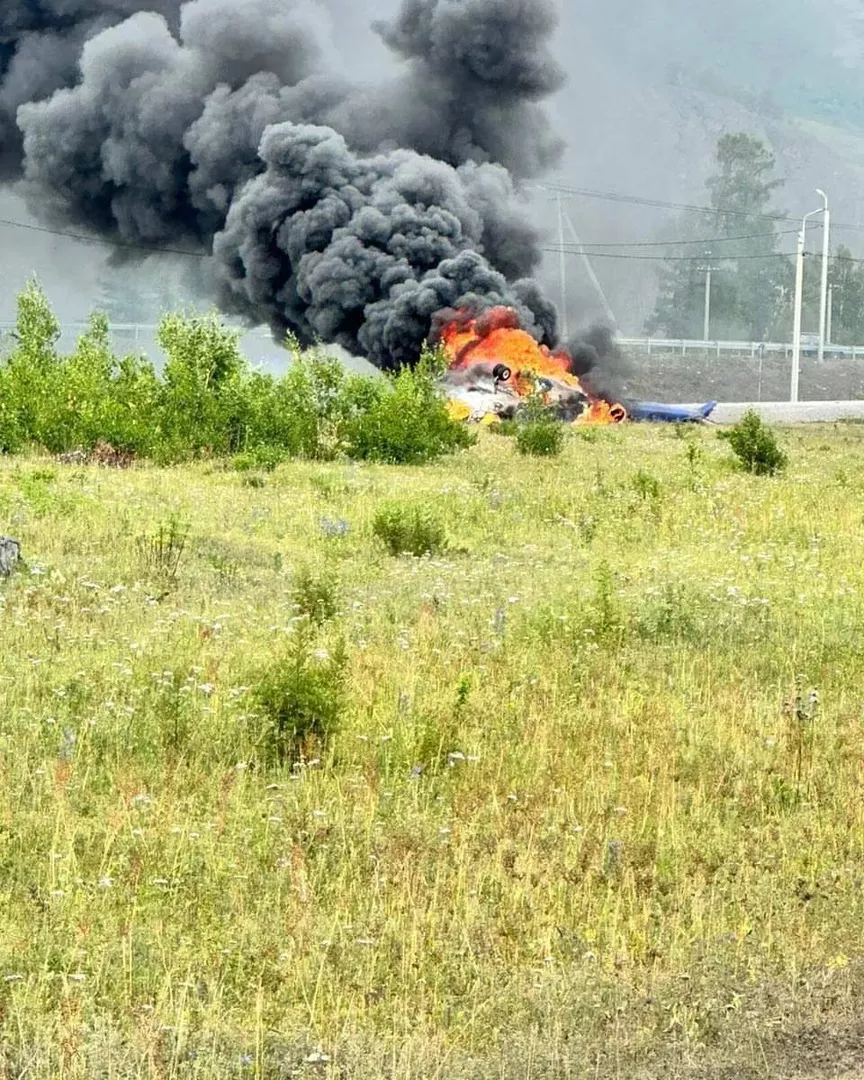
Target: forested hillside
<point>795,55</point>
<point>653,87</point>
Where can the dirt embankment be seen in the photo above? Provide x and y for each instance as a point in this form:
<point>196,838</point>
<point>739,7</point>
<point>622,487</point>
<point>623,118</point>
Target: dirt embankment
<point>706,377</point>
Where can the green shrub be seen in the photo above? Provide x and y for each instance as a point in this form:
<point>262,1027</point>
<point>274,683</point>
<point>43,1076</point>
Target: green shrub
<point>670,612</point>
<point>103,399</point>
<point>207,401</point>
<point>315,595</point>
<point>409,529</point>
<point>265,458</point>
<point>30,376</point>
<point>407,422</point>
<point>605,615</point>
<point>203,402</point>
<point>74,402</point>
<point>755,445</point>
<point>301,699</point>
<point>540,434</point>
<point>540,438</point>
<point>302,412</point>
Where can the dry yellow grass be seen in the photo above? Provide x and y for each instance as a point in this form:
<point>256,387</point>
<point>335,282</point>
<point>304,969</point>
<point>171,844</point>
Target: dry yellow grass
<point>595,800</point>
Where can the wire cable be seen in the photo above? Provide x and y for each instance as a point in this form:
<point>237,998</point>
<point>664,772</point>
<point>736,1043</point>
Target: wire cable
<point>568,248</point>
<point>686,243</point>
<point>104,242</point>
<point>637,200</point>
<point>574,250</point>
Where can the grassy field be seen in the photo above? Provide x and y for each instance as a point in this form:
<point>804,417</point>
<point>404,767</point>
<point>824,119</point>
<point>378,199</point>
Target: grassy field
<point>593,806</point>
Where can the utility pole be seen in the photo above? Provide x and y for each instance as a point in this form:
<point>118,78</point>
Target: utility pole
<point>708,271</point>
<point>799,303</point>
<point>826,251</point>
<point>589,269</point>
<point>562,267</point>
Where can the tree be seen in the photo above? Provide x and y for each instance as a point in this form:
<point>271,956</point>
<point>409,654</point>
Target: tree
<point>752,284</point>
<point>846,278</point>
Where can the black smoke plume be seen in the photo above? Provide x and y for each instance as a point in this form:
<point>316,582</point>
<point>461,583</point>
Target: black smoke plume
<point>344,213</point>
<point>600,365</point>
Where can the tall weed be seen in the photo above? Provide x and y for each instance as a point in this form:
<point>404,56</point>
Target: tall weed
<point>301,699</point>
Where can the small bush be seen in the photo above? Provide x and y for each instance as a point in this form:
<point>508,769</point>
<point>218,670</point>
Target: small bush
<point>315,595</point>
<point>647,486</point>
<point>265,458</point>
<point>203,376</point>
<point>540,434</point>
<point>606,617</point>
<point>407,423</point>
<point>409,530</point>
<point>540,438</point>
<point>669,612</point>
<point>755,445</point>
<point>301,699</point>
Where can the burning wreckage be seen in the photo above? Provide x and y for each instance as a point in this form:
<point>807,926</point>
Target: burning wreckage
<point>342,211</point>
<point>495,367</point>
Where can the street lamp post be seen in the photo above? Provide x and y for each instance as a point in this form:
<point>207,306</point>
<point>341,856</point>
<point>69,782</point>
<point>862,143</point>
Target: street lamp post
<point>829,328</point>
<point>799,303</point>
<point>826,251</point>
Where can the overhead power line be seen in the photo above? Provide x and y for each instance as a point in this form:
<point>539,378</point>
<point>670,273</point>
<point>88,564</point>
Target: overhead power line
<point>579,249</point>
<point>638,200</point>
<point>573,249</point>
<point>687,243</point>
<point>154,250</point>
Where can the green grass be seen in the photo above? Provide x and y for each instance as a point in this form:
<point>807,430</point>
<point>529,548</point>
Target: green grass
<point>580,816</point>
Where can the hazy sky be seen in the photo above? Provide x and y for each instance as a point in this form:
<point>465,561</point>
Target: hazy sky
<point>651,87</point>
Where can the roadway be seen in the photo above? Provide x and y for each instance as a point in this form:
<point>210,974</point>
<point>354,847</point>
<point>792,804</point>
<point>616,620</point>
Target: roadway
<point>784,412</point>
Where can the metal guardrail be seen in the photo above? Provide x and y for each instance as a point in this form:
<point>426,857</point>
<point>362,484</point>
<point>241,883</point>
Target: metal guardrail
<point>137,331</point>
<point>133,330</point>
<point>754,349</point>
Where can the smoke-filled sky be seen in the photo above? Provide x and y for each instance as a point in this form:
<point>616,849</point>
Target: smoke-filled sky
<point>349,211</point>
<point>345,172</point>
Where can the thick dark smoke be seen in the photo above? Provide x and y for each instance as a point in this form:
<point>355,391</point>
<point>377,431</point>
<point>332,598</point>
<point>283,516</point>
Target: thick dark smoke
<point>347,214</point>
<point>601,366</point>
<point>40,43</point>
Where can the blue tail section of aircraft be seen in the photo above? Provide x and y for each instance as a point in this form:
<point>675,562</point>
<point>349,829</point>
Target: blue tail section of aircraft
<point>671,414</point>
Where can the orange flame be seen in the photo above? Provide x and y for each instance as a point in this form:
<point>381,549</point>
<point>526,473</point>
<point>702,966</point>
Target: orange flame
<point>496,337</point>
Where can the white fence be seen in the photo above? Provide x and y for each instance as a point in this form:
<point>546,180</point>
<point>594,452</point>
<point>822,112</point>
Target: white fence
<point>143,335</point>
<point>257,344</point>
<point>754,349</point>
<point>129,331</point>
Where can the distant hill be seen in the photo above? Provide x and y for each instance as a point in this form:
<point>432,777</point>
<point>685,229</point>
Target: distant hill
<point>653,86</point>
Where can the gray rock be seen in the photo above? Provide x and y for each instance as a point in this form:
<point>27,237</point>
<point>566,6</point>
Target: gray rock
<point>10,554</point>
